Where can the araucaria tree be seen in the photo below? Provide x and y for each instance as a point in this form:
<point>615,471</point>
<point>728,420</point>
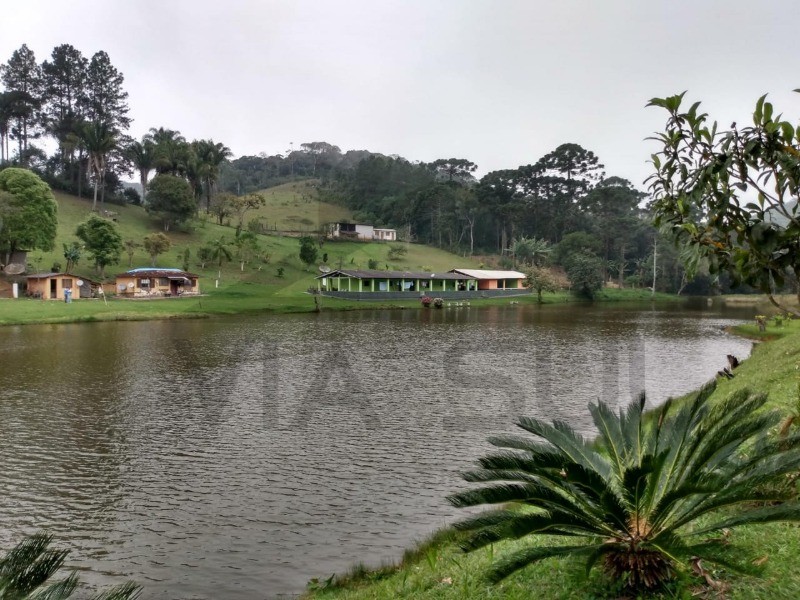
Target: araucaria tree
<point>22,77</point>
<point>630,501</point>
<point>102,241</point>
<point>29,218</point>
<point>731,196</point>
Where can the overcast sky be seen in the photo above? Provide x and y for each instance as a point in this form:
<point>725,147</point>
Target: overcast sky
<point>498,82</point>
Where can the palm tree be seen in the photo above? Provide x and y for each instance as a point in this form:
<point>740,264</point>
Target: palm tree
<point>194,170</point>
<point>211,155</point>
<point>99,139</point>
<point>630,499</point>
<point>531,251</point>
<point>142,155</point>
<point>220,250</point>
<point>26,569</point>
<point>171,150</point>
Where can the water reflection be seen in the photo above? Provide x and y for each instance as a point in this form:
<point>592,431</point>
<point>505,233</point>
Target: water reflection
<point>237,458</point>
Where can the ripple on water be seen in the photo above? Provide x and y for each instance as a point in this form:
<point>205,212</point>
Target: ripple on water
<point>239,458</point>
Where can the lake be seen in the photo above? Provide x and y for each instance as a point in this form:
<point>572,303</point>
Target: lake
<point>240,457</point>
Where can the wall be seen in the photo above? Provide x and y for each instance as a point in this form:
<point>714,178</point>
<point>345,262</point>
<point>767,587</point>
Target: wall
<point>449,295</point>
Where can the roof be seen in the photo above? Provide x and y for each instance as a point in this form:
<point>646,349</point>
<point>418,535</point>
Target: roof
<point>158,272</point>
<point>49,275</point>
<point>490,274</point>
<point>375,274</point>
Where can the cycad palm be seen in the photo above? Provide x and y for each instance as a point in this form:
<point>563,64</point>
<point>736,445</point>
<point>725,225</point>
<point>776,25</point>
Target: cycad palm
<point>631,499</point>
<point>26,569</point>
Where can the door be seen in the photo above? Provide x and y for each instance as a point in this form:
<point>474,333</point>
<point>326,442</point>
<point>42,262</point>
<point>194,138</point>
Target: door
<point>53,289</point>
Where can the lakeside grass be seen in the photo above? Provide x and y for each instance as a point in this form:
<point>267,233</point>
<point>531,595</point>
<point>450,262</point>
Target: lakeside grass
<point>438,569</point>
<point>245,297</point>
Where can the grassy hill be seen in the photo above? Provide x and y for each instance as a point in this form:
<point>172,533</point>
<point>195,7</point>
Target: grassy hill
<point>296,207</point>
<point>276,279</point>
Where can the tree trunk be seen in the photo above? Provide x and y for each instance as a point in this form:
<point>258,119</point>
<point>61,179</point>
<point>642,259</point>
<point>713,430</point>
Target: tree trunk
<point>787,309</point>
<point>80,176</point>
<point>143,182</point>
<point>94,201</point>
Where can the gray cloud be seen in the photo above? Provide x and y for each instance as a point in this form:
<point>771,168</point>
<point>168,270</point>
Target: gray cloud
<point>500,83</point>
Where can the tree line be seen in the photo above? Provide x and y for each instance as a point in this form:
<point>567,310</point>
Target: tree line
<point>564,200</point>
<point>81,104</point>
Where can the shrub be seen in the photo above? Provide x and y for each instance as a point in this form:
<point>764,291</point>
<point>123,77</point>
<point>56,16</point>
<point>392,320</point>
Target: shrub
<point>396,251</point>
<point>585,272</point>
<point>630,500</point>
<point>426,301</point>
<point>438,303</point>
<point>372,264</point>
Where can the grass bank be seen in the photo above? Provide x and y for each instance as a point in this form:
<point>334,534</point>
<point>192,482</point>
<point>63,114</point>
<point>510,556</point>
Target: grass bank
<point>242,297</point>
<point>438,569</point>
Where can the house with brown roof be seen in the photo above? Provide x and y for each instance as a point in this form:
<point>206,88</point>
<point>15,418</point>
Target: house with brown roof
<point>52,286</point>
<point>153,282</point>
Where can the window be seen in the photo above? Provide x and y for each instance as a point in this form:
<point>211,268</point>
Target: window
<point>66,283</point>
<point>144,284</point>
<point>163,282</point>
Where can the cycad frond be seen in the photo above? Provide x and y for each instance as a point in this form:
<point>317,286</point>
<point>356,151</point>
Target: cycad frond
<point>26,569</point>
<point>528,556</point>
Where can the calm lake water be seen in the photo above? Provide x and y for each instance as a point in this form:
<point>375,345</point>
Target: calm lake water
<point>238,458</point>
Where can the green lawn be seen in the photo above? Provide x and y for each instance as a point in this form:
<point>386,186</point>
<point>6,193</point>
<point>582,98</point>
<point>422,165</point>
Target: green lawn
<point>438,569</point>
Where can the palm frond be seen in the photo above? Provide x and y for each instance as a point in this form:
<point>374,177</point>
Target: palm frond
<point>125,591</point>
<point>573,445</point>
<point>528,556</point>
<point>29,565</point>
<point>766,514</point>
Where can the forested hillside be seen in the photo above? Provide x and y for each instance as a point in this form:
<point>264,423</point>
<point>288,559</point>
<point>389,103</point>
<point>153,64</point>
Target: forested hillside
<point>562,209</point>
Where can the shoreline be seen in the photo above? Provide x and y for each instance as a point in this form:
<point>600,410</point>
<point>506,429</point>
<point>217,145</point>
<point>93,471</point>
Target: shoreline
<point>435,567</point>
<point>243,300</point>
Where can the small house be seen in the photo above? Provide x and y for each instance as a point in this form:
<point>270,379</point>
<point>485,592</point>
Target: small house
<point>154,282</point>
<point>354,231</point>
<point>494,280</point>
<point>385,235</point>
<point>52,286</point>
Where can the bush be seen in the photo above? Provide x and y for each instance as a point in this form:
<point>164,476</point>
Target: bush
<point>396,251</point>
<point>372,264</point>
<point>426,301</point>
<point>585,272</point>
